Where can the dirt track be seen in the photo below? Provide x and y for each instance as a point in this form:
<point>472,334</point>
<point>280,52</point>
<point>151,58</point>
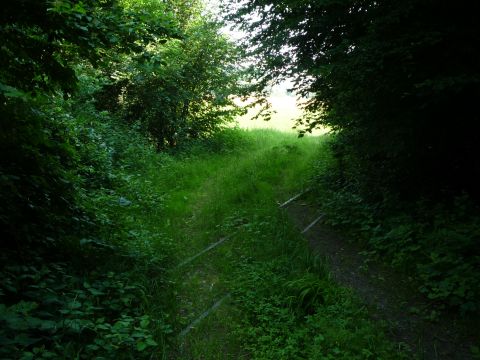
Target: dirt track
<point>389,297</point>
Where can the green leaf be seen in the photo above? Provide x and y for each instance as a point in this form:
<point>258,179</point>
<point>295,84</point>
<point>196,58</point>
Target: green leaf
<point>141,346</point>
<point>151,342</point>
<point>95,292</point>
<point>25,340</point>
<point>144,322</point>
<point>10,91</point>
<point>74,304</point>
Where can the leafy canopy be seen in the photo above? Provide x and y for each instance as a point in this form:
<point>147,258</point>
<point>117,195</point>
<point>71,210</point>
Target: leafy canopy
<point>392,78</point>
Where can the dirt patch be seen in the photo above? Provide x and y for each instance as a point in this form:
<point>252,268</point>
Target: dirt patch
<point>389,296</point>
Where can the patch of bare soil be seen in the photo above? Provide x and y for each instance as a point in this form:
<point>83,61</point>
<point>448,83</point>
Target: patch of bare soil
<point>389,296</point>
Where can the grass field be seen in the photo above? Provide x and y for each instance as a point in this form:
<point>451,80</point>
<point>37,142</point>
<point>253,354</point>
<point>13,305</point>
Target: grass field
<point>283,119</point>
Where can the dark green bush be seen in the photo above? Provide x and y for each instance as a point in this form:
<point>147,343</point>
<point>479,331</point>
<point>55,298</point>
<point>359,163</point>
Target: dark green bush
<point>438,243</point>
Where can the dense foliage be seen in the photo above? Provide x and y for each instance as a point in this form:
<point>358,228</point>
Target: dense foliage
<point>183,89</point>
<point>393,78</point>
<point>93,93</point>
<point>78,83</point>
<point>437,243</point>
<point>398,82</point>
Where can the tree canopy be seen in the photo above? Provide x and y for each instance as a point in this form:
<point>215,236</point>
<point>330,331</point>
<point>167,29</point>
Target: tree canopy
<point>398,81</point>
<point>162,67</point>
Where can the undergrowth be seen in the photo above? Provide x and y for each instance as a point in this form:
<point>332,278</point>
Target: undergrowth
<point>434,241</point>
<point>110,288</point>
<point>291,307</point>
<point>85,290</point>
<point>293,310</point>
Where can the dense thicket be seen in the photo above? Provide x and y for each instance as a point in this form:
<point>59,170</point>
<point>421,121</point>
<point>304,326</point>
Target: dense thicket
<point>398,80</point>
<point>45,45</point>
<point>79,82</point>
<point>162,67</point>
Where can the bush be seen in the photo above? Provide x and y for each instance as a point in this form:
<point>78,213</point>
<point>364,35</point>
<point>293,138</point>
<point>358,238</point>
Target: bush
<point>437,242</point>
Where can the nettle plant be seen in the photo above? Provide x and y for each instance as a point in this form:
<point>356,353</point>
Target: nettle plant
<point>49,311</point>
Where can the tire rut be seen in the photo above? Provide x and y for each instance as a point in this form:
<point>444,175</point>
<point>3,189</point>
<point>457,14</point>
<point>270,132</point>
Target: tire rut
<point>388,295</point>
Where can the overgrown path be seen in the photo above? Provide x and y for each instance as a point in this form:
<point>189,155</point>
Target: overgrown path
<point>222,217</point>
<point>246,284</point>
<point>391,297</point>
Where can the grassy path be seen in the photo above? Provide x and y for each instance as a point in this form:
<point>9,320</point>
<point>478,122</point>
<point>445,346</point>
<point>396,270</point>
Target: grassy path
<point>281,302</point>
<point>227,186</point>
<point>389,295</point>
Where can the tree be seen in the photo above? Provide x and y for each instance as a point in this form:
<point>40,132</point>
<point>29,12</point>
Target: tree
<point>185,89</point>
<point>42,42</point>
<point>397,81</point>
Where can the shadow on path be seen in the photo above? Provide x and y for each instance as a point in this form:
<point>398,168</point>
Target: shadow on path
<point>390,297</point>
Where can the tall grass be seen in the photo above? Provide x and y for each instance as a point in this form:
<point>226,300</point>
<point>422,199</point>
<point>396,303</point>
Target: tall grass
<point>283,303</point>
<point>121,292</point>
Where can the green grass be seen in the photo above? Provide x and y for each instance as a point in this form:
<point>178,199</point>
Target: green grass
<point>122,295</point>
<point>283,304</point>
<point>285,113</point>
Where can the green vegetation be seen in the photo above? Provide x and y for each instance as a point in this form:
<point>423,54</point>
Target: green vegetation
<point>119,160</point>
<point>119,294</point>
<point>283,303</point>
<point>82,291</point>
<point>397,84</point>
<point>436,242</point>
<point>77,263</point>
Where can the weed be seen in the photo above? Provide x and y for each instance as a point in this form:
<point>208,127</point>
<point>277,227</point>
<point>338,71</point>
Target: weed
<point>434,242</point>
